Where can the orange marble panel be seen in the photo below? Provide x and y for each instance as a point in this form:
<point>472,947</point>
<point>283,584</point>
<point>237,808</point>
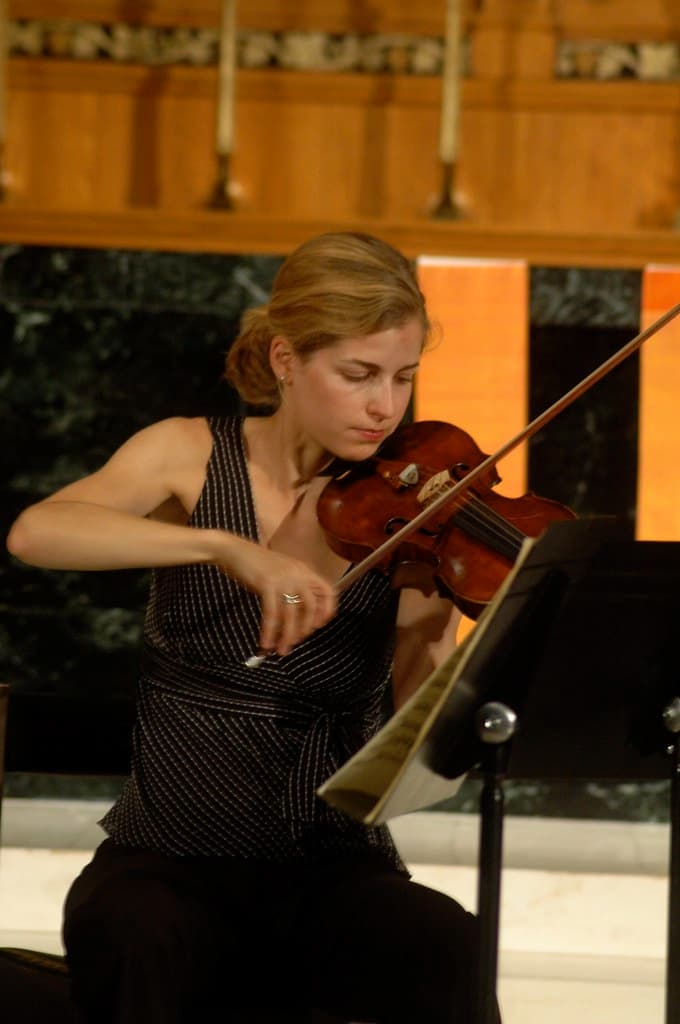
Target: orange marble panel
<point>476,374</point>
<point>658,503</point>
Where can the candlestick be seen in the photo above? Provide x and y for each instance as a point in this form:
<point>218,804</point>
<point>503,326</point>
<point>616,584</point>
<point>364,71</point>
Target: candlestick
<point>446,207</point>
<point>226,77</point>
<point>224,122</point>
<point>450,108</point>
<point>4,49</point>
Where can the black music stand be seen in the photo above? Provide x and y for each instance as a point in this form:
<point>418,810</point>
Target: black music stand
<point>574,678</point>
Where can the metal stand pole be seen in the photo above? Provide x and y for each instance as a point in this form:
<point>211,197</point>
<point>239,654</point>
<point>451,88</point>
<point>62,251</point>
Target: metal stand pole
<point>496,724</point>
<point>671,718</point>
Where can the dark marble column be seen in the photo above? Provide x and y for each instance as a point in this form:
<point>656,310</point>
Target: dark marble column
<point>587,456</point>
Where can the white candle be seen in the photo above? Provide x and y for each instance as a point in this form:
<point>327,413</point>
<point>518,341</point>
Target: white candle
<point>450,110</point>
<point>4,48</point>
<point>226,78</point>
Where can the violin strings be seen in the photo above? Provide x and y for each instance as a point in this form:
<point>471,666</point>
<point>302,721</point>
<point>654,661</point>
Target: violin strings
<point>493,533</point>
<point>482,522</point>
<point>495,525</point>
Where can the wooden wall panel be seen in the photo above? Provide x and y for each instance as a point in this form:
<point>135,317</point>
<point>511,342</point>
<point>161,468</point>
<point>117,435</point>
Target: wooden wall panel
<point>312,157</point>
<point>90,137</point>
<point>573,169</point>
<point>48,165</point>
<point>627,20</point>
<point>111,137</point>
<point>536,154</point>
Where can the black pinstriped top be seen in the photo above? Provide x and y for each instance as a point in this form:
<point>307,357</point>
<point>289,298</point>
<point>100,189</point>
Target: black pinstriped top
<point>227,759</point>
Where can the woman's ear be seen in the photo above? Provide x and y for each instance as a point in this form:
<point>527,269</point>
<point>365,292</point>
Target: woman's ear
<point>281,357</point>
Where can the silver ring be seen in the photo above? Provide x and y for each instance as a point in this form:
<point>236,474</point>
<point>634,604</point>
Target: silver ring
<point>291,598</point>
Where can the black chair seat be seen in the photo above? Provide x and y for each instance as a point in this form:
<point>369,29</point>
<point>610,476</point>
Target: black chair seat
<point>34,989</point>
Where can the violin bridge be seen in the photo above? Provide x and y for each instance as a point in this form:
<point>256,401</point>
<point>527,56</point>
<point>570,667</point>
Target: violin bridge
<point>434,487</point>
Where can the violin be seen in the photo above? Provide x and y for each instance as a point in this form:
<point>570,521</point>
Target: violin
<point>466,548</point>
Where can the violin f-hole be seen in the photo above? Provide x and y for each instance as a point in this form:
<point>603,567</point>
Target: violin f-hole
<point>461,468</point>
<point>396,523</point>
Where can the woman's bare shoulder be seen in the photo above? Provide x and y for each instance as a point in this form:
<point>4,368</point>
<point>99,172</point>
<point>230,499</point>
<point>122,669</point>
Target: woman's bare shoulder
<point>166,458</point>
<point>193,429</point>
<point>179,438</point>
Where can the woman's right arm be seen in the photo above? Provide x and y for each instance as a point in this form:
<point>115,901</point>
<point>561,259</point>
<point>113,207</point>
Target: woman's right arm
<point>101,521</point>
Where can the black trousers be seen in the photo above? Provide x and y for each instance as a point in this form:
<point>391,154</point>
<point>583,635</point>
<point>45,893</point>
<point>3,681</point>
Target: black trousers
<point>152,939</point>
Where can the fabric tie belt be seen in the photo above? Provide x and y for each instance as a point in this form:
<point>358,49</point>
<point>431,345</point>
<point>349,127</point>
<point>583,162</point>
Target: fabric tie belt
<point>332,734</point>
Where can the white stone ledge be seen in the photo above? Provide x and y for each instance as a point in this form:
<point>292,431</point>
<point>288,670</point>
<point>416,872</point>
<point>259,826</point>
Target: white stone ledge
<point>636,970</point>
<point>425,837</point>
<point>35,822</point>
<point>548,844</point>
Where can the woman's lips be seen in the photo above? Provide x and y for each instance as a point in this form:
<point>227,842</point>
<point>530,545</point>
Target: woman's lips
<point>371,435</point>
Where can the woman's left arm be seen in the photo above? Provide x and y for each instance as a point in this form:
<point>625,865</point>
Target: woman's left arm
<point>426,636</point>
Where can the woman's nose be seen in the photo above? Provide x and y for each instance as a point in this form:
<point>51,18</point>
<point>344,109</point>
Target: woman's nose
<point>382,399</point>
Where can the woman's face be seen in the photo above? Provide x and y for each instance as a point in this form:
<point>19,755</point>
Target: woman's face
<point>350,396</point>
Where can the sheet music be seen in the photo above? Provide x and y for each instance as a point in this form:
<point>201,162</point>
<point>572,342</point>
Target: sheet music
<point>389,775</point>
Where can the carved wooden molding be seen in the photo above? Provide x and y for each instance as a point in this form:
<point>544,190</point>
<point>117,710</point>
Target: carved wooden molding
<point>279,15</point>
<point>220,232</point>
<point>363,90</point>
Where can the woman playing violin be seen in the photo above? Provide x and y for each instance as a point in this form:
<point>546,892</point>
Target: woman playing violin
<point>223,879</point>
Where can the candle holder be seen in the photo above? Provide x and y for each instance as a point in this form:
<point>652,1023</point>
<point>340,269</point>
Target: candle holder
<point>220,198</point>
<point>446,207</point>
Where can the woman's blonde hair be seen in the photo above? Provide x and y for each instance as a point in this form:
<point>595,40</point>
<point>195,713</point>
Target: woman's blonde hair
<point>334,286</point>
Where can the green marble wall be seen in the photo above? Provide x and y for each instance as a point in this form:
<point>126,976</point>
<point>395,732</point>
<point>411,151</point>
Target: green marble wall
<point>587,456</point>
<point>97,345</point>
